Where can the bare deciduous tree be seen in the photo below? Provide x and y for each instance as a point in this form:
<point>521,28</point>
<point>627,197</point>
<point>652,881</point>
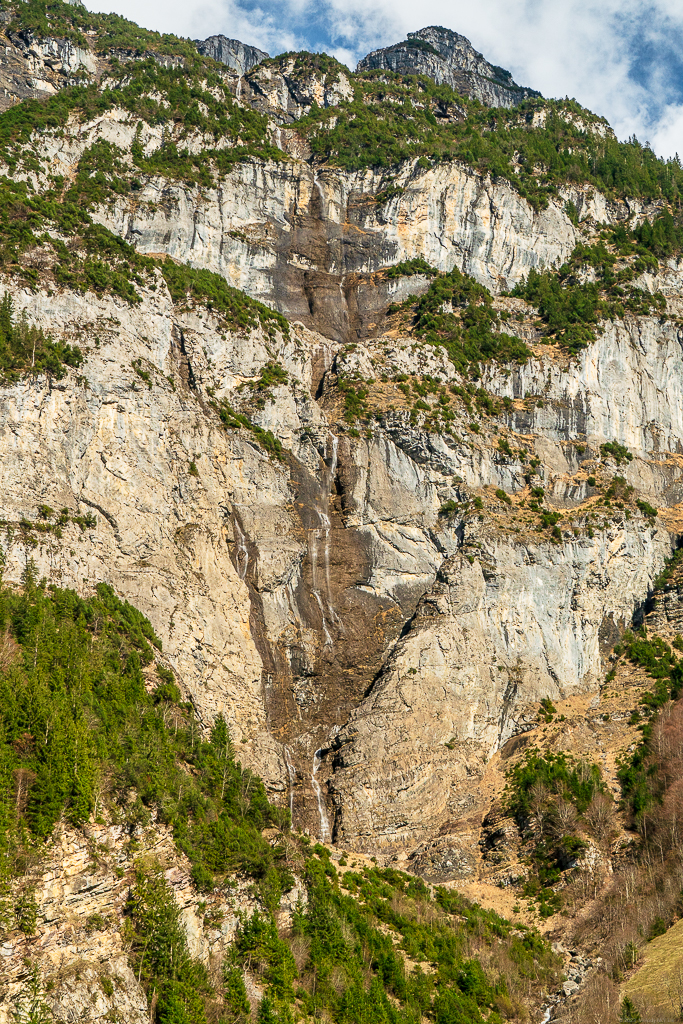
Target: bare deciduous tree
<point>600,817</point>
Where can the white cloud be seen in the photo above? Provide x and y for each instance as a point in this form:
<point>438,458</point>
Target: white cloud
<point>667,138</point>
<point>580,48</point>
<point>198,19</point>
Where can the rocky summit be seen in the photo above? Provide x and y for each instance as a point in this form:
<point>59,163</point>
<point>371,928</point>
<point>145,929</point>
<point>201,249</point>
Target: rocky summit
<point>449,59</point>
<point>341,615</point>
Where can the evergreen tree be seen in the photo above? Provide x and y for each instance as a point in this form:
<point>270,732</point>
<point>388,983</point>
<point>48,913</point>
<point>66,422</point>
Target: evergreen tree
<point>628,1013</point>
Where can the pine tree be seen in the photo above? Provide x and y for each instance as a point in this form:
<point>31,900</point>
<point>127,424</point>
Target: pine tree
<point>629,1013</point>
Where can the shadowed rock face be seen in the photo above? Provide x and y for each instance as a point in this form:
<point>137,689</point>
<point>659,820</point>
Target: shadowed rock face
<point>449,59</point>
<point>234,54</point>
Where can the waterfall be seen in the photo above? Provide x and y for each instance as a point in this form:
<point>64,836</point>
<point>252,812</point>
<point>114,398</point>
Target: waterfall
<point>324,821</point>
<point>331,474</point>
<point>328,638</point>
<point>321,535</point>
<point>342,296</point>
<point>316,185</point>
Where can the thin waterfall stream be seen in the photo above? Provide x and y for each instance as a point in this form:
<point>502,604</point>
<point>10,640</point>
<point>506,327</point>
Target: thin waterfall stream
<point>292,781</point>
<point>322,811</point>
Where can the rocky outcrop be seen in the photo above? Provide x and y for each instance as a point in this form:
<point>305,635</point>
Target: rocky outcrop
<point>449,59</point>
<point>79,891</point>
<point>501,628</point>
<point>625,387</point>
<point>32,68</point>
<point>238,56</point>
<point>285,91</point>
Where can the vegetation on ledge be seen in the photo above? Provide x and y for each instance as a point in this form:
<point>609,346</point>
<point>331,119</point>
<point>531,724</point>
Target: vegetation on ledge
<point>456,313</point>
<point>588,289</point>
<point>237,310</point>
<point>24,348</point>
<point>556,799</point>
<point>537,146</point>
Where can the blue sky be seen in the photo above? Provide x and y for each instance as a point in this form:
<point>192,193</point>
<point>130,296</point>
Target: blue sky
<point>621,58</point>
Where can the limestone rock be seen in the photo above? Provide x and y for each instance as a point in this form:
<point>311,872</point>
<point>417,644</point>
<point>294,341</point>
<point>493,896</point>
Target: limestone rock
<point>491,638</point>
<point>238,56</point>
<point>449,59</point>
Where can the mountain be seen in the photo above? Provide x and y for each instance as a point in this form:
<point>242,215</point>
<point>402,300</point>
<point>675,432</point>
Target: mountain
<point>341,462</point>
<point>449,59</point>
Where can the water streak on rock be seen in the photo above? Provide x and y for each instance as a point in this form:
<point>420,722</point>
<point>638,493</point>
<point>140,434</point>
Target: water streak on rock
<point>325,833</point>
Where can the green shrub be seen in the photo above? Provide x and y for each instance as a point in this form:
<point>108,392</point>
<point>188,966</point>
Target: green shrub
<point>408,268</point>
<point>618,452</point>
<point>647,509</point>
<point>448,507</point>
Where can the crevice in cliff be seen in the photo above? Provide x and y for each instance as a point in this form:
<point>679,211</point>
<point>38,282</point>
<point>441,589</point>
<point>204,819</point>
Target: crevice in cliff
<point>179,350</point>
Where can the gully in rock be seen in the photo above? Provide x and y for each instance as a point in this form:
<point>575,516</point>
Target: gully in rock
<point>242,553</point>
<point>322,535</point>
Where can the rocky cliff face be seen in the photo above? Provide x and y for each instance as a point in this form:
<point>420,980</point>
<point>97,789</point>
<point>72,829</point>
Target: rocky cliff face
<point>234,54</point>
<point>280,589</point>
<point>450,59</point>
<point>308,242</point>
<point>284,590</point>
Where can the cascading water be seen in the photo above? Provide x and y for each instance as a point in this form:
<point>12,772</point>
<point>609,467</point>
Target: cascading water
<point>316,185</point>
<point>322,535</point>
<point>331,474</point>
<point>325,833</point>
